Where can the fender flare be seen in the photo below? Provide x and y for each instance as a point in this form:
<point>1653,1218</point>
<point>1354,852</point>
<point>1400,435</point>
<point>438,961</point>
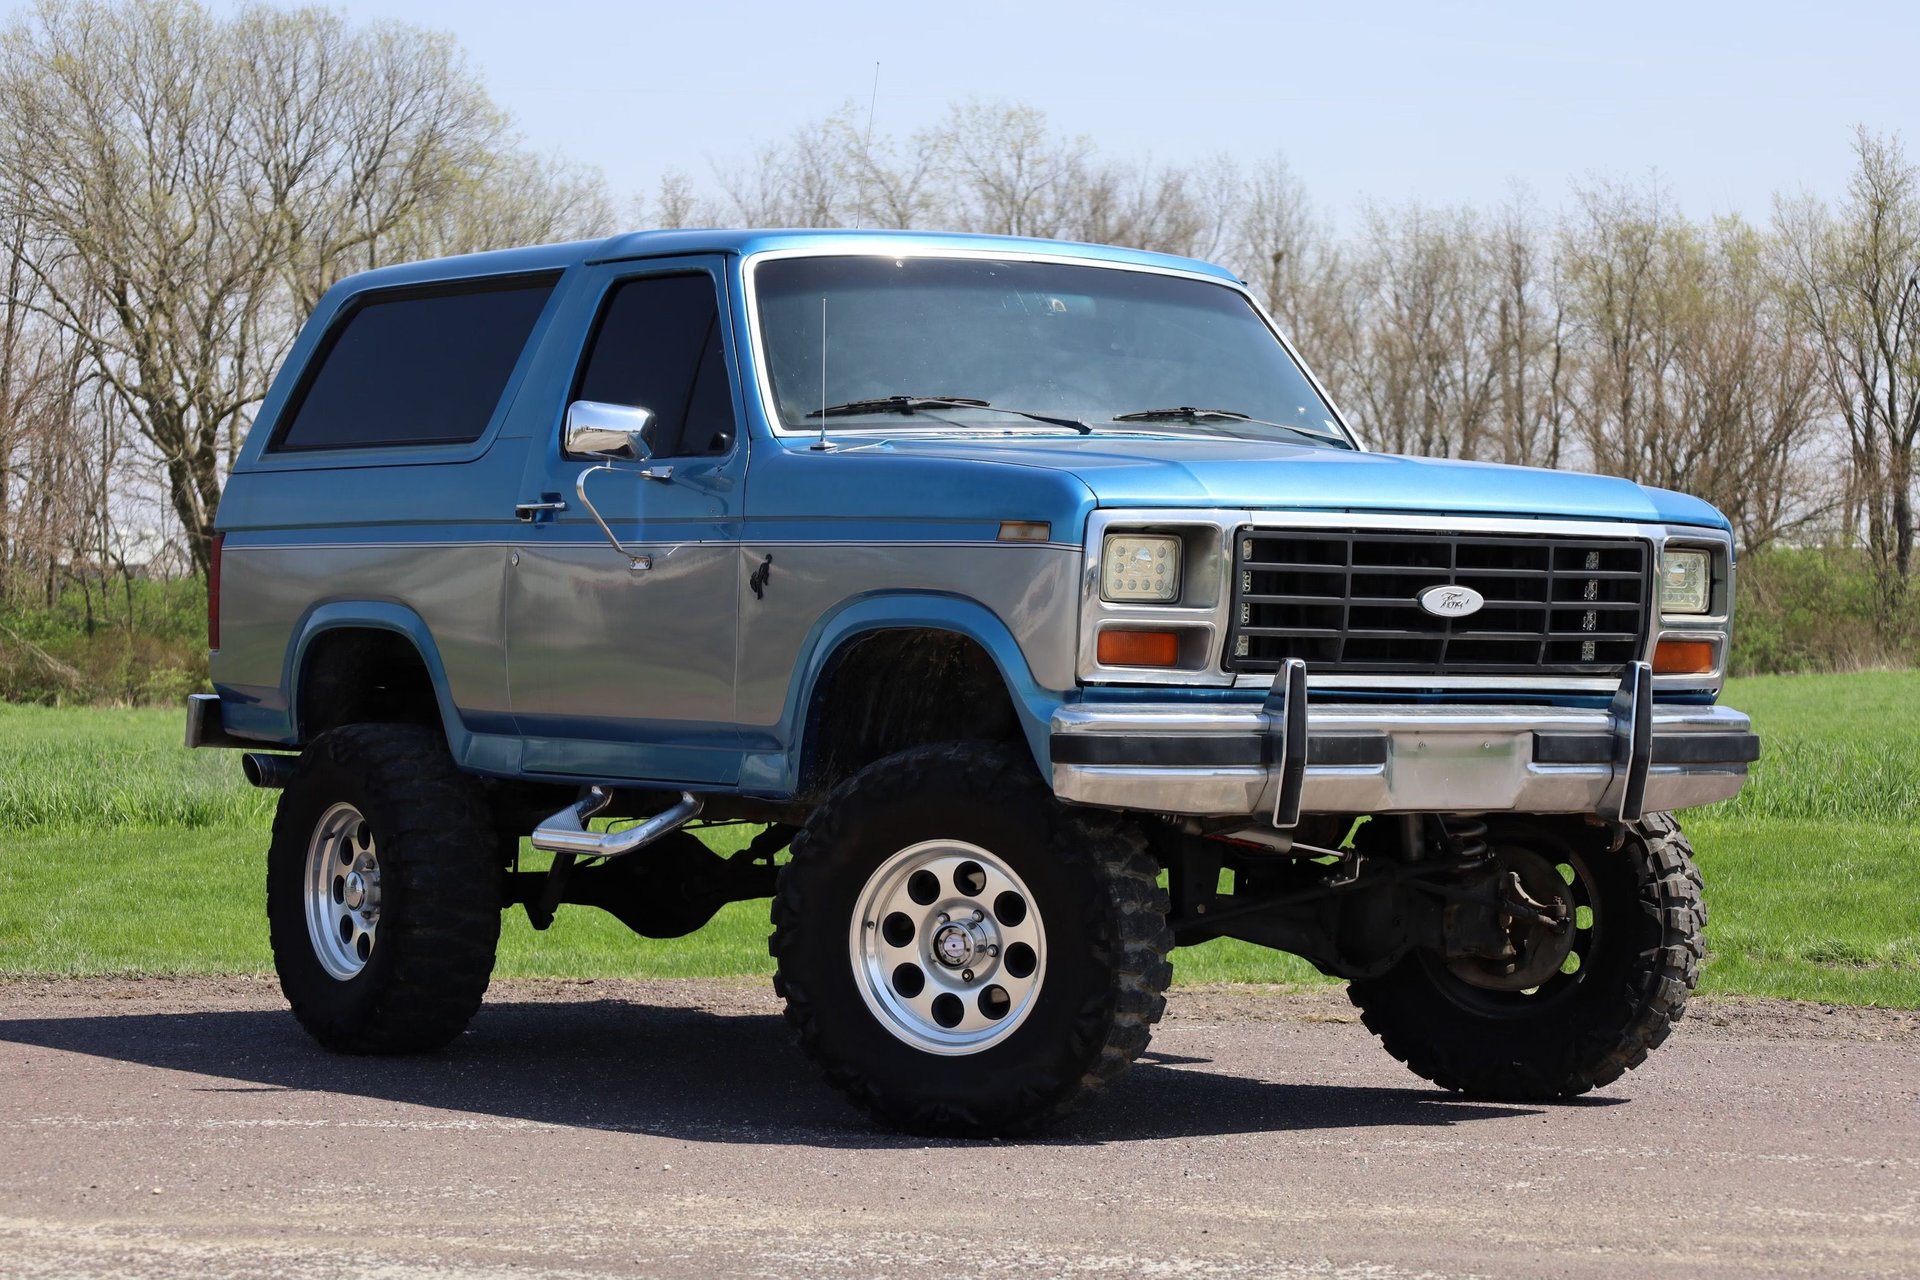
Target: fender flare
<point>779,772</point>
<point>373,615</point>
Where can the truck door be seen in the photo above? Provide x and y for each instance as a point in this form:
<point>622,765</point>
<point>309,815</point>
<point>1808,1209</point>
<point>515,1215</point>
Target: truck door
<point>621,662</point>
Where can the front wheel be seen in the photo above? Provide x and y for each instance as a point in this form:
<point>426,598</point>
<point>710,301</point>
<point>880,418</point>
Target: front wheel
<point>1591,1003</point>
<point>964,954</point>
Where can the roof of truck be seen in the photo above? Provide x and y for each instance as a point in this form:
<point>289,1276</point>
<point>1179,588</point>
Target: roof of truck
<point>676,243</point>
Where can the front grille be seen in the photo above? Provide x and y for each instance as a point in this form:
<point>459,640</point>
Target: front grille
<point>1344,600</point>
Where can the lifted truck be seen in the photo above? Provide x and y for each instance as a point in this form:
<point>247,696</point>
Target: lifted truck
<point>1034,594</point>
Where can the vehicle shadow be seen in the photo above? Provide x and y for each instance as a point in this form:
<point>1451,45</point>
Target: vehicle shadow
<point>689,1074</point>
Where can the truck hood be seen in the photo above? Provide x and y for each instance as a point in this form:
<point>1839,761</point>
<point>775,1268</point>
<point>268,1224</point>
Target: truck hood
<point>1147,471</point>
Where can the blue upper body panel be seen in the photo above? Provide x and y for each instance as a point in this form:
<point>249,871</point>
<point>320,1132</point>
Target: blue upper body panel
<point>963,479</point>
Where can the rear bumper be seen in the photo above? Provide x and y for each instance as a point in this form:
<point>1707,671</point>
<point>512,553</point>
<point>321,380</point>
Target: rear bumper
<point>1230,761</point>
<point>206,728</point>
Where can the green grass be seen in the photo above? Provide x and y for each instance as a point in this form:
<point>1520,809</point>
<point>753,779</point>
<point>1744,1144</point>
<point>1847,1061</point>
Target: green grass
<point>100,770</point>
<point>190,902</point>
<point>121,852</point>
<point>1813,873</point>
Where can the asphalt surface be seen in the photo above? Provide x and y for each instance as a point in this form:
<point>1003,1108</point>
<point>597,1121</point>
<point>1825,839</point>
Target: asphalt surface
<point>671,1129</point>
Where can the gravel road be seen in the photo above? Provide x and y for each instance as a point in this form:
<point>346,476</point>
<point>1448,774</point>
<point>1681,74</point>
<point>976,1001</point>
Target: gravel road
<point>671,1129</point>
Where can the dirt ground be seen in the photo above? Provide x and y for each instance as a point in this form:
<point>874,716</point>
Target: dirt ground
<point>671,1129</point>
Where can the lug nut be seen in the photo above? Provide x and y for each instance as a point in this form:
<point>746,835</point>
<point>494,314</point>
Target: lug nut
<point>966,975</point>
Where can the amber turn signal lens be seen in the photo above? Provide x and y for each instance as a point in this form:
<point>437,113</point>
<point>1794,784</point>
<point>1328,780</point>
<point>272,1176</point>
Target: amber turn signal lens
<point>1139,648</point>
<point>1683,658</point>
<point>1025,531</point>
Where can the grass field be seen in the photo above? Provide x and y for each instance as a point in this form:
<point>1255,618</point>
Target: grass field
<point>121,852</point>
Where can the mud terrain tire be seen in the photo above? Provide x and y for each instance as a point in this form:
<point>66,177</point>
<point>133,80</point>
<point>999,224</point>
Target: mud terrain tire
<point>431,858</point>
<point>1585,1029</point>
<point>1092,888</point>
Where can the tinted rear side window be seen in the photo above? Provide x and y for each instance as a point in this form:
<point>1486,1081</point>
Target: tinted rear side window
<point>421,367</point>
<point>658,346</point>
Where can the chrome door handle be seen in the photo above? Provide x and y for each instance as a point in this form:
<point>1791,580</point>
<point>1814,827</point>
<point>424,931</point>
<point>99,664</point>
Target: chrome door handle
<point>656,473</point>
<point>528,510</point>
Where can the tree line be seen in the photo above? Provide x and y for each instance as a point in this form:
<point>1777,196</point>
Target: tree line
<point>178,188</point>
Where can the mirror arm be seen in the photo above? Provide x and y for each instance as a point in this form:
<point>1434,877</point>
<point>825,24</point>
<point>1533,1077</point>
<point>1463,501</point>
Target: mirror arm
<point>634,562</point>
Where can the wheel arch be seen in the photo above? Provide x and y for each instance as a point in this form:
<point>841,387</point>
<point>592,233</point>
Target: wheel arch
<point>835,645</point>
<point>389,634</point>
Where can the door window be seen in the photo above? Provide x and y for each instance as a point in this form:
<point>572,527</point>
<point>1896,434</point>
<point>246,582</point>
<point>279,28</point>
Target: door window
<point>657,345</point>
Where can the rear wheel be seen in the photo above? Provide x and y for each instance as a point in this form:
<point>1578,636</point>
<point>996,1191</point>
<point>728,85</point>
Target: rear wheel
<point>1581,1007</point>
<point>383,891</point>
<point>964,954</point>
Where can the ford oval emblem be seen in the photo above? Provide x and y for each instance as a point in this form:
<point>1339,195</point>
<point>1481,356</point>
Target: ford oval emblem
<point>1450,601</point>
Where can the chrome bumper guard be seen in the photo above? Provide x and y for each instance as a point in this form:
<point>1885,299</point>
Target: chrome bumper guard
<point>1286,757</point>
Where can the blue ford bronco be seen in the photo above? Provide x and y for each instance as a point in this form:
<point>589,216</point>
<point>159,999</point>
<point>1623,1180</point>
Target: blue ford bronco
<point>1031,601</point>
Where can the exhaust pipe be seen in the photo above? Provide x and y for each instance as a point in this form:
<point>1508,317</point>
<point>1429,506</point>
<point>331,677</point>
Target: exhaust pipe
<point>267,770</point>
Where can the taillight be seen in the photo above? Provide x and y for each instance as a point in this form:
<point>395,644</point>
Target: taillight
<point>213,589</point>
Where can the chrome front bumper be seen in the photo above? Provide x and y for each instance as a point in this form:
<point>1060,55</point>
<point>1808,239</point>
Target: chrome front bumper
<point>1229,761</point>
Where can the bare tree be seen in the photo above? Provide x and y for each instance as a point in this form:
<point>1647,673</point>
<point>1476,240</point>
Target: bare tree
<point>1854,282</point>
<point>1287,255</point>
<point>513,198</point>
<point>675,203</point>
<point>1750,403</point>
<point>1530,349</point>
<point>1691,372</point>
<point>804,181</point>
<point>1010,174</point>
<point>1625,295</point>
<point>350,135</point>
<point>116,147</point>
<point>189,185</point>
<point>895,184</point>
<point>1424,309</point>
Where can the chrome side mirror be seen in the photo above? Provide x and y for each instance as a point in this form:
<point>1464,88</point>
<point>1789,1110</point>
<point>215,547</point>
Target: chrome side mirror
<point>607,431</point>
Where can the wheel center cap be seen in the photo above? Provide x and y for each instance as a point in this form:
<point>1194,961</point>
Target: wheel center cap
<point>954,945</point>
<point>356,891</point>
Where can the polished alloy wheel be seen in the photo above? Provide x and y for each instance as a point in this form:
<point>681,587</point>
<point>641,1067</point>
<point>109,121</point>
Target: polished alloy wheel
<point>947,947</point>
<point>342,891</point>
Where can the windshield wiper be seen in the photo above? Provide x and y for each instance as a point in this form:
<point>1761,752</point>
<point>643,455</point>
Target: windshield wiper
<point>1187,413</point>
<point>920,404</point>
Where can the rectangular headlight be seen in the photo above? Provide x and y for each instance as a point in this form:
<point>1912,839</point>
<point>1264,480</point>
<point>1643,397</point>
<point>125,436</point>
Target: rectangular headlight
<point>1686,581</point>
<point>1140,568</point>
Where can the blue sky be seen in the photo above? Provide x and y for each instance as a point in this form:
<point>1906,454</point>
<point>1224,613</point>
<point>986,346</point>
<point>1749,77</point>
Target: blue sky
<point>1440,102</point>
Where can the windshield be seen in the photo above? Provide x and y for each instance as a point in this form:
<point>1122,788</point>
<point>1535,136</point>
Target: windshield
<point>1082,343</point>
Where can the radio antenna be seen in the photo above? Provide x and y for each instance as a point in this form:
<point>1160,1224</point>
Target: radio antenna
<point>823,443</point>
<point>866,145</point>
